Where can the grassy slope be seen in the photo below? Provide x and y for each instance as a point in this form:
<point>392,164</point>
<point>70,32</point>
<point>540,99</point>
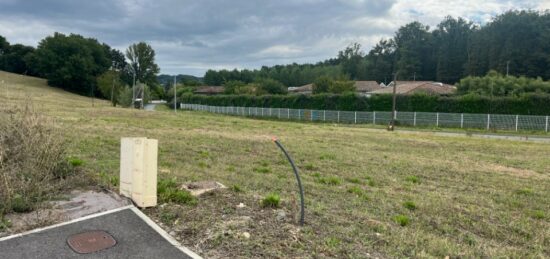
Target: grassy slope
<point>473,197</point>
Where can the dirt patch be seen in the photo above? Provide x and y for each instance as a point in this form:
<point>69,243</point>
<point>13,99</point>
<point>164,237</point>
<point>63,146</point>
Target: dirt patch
<point>200,188</point>
<point>523,173</point>
<point>227,224</point>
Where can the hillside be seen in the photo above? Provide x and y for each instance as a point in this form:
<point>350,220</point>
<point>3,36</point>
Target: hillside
<point>369,193</point>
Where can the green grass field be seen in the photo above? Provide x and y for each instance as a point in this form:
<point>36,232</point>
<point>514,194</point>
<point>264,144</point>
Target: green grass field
<point>369,192</point>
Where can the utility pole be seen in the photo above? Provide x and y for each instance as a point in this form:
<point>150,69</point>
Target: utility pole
<point>392,123</point>
<point>507,67</point>
<point>175,96</point>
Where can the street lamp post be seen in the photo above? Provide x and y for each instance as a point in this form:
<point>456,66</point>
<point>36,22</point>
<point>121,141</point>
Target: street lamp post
<point>392,122</point>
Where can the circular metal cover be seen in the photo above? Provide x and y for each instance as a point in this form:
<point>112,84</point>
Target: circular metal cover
<point>91,241</point>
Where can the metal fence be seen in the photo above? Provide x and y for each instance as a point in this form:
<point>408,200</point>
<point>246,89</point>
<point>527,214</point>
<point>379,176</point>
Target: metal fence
<point>424,119</point>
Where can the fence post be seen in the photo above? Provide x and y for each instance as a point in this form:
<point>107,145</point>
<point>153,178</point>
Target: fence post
<point>462,120</point>
<point>437,120</point>
<point>288,113</point>
<point>546,128</point>
<point>517,121</point>
<point>338,116</point>
<point>374,117</point>
<point>324,115</point>
<point>279,111</point>
<point>355,117</point>
<point>414,120</point>
<point>299,115</point>
<point>488,121</point>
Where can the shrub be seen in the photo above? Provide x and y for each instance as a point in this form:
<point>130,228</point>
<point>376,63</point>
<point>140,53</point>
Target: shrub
<point>271,201</point>
<point>33,161</point>
<point>402,220</point>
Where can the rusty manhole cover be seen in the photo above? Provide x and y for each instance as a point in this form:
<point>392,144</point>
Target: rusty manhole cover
<point>91,241</point>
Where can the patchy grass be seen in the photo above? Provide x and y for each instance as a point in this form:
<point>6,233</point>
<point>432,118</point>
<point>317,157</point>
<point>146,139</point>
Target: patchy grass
<point>271,201</point>
<point>168,192</point>
<point>475,197</point>
<point>402,220</point>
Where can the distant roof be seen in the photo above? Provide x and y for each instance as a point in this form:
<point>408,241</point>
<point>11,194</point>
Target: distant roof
<point>410,87</point>
<point>301,89</point>
<point>210,90</point>
<point>367,86</point>
<point>360,86</point>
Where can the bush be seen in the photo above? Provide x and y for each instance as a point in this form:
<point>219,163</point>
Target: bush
<point>33,162</point>
<point>271,201</point>
<point>527,104</point>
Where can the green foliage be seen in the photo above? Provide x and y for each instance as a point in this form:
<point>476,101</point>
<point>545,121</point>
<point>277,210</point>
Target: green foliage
<point>330,180</point>
<point>168,191</point>
<point>539,214</point>
<point>410,205</point>
<point>231,87</point>
<point>321,85</point>
<point>528,104</point>
<point>525,191</point>
<point>237,188</point>
<point>355,190</point>
<point>340,87</point>
<point>412,179</point>
<point>71,62</point>
<point>142,61</point>
<point>21,204</point>
<point>125,97</point>
<point>402,220</point>
<point>495,84</point>
<point>75,161</point>
<point>271,86</point>
<point>272,200</point>
<point>110,85</point>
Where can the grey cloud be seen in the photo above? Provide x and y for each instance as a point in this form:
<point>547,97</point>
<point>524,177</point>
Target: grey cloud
<point>190,36</point>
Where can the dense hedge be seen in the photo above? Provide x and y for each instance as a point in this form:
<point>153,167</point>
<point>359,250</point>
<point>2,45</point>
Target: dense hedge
<point>527,104</point>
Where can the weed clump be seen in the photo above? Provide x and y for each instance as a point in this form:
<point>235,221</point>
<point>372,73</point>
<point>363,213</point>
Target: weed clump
<point>525,191</point>
<point>331,180</point>
<point>262,169</point>
<point>402,220</point>
<point>412,179</point>
<point>33,163</point>
<point>272,200</point>
<point>410,205</point>
<point>168,191</point>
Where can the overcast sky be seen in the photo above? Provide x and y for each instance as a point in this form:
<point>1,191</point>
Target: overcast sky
<point>192,36</point>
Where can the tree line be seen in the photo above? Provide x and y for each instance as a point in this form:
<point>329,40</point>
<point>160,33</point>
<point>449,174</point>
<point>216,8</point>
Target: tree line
<point>86,66</point>
<point>514,43</point>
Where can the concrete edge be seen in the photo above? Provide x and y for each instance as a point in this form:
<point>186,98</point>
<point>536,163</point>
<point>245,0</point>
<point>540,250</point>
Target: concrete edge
<point>165,235</point>
<point>66,223</point>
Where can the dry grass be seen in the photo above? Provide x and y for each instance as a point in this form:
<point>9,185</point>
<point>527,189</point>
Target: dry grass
<point>473,197</point>
<point>32,160</point>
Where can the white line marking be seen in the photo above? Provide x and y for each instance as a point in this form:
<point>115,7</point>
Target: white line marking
<point>66,223</point>
<point>163,233</point>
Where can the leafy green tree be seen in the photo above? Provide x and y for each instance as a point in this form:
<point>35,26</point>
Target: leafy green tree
<point>322,85</point>
<point>142,62</point>
<point>14,59</point>
<point>451,39</point>
<point>71,62</point>
<point>4,45</point>
<point>110,85</point>
<point>352,61</point>
<point>415,52</point>
<point>380,61</point>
